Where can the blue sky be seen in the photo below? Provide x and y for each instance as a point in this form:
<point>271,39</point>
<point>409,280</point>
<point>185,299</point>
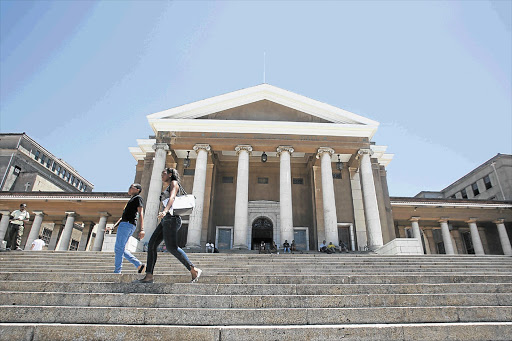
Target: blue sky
<point>80,77</point>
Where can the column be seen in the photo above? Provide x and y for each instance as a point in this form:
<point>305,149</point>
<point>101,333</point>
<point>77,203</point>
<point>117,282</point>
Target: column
<point>357,200</point>
<point>36,228</point>
<point>100,232</point>
<point>86,235</point>
<point>242,197</point>
<point>416,233</point>
<point>475,237</point>
<point>65,238</point>
<point>505,241</point>
<point>330,219</point>
<point>371,209</point>
<point>196,218</point>
<point>155,188</point>
<point>447,240</point>
<point>57,227</point>
<point>285,193</point>
<point>4,223</point>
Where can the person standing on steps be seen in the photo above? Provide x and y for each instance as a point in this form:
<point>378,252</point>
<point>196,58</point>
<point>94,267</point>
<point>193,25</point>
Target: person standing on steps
<point>167,230</point>
<point>127,225</point>
<point>15,229</point>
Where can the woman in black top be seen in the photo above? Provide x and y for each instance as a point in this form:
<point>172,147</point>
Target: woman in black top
<point>167,230</point>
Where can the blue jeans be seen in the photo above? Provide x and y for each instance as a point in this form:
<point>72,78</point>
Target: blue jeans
<point>124,231</point>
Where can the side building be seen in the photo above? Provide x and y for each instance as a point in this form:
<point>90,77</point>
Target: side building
<point>25,166</point>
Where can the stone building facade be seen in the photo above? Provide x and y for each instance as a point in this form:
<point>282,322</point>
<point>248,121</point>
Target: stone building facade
<point>26,166</point>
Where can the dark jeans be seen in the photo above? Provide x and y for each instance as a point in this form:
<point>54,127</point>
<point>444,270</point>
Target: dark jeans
<point>167,231</point>
<point>13,236</point>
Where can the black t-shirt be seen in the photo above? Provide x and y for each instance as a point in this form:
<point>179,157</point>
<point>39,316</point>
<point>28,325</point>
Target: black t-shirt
<point>130,210</point>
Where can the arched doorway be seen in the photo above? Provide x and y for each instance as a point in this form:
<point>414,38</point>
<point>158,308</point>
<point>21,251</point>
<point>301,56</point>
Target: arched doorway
<point>262,230</point>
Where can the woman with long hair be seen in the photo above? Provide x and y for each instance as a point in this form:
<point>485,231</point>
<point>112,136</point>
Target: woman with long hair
<point>168,229</point>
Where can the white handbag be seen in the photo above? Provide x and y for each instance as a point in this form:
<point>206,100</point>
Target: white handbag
<point>183,203</point>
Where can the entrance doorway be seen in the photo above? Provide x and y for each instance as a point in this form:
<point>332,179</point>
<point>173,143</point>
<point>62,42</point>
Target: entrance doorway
<point>262,231</point>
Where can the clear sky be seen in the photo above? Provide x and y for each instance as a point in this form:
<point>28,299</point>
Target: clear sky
<point>80,77</point>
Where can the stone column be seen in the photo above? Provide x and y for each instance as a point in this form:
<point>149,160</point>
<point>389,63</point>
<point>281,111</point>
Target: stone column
<point>330,218</point>
<point>86,235</point>
<point>357,200</point>
<point>371,208</point>
<point>505,241</point>
<point>196,218</point>
<point>285,193</point>
<point>65,237</point>
<point>100,232</point>
<point>57,227</point>
<point>416,233</point>
<point>475,237</point>
<point>447,240</point>
<point>36,228</point>
<point>242,197</point>
<point>155,188</point>
<point>4,223</point>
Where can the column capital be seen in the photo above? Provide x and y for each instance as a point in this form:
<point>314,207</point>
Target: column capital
<point>322,150</point>
<point>471,220</point>
<point>38,213</point>
<point>363,151</point>
<point>499,221</point>
<point>202,146</point>
<point>71,214</point>
<point>414,219</point>
<point>281,149</point>
<point>241,147</point>
<point>443,220</point>
<point>104,214</point>
<point>163,146</point>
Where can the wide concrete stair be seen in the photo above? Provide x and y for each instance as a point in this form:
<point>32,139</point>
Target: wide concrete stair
<point>74,296</point>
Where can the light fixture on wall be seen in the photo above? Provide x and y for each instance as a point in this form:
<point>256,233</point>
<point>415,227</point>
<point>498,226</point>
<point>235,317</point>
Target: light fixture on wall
<point>186,162</point>
<point>339,164</point>
<point>264,157</point>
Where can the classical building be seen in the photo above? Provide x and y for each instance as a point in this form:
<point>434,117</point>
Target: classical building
<point>269,165</point>
<point>26,166</point>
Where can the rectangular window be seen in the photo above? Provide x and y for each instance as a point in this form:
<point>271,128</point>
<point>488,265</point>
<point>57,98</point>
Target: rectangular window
<point>71,179</point>
<point>336,175</point>
<point>464,194</point>
<point>263,180</point>
<point>48,162</point>
<point>188,171</point>
<point>474,187</point>
<point>47,235</point>
<point>43,158</point>
<point>298,181</point>
<point>227,179</point>
<point>36,156</point>
<point>58,170</point>
<point>85,188</point>
<point>74,245</point>
<point>54,166</point>
<point>487,181</point>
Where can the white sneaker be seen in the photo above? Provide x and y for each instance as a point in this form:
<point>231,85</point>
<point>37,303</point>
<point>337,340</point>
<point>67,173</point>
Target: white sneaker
<point>199,272</point>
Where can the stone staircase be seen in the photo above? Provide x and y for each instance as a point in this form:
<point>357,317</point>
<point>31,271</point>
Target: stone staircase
<point>74,296</point>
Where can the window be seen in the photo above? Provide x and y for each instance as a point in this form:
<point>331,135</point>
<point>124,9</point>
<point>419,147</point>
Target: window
<point>80,185</point>
<point>474,187</point>
<point>43,158</point>
<point>189,171</point>
<point>298,181</point>
<point>58,170</point>
<point>487,181</point>
<point>48,162</point>
<point>464,194</point>
<point>36,156</point>
<point>47,235</point>
<point>263,181</point>
<point>227,179</point>
<point>71,179</point>
<point>77,181</point>
<point>85,188</point>
<point>54,166</point>
<point>336,175</point>
<point>74,245</point>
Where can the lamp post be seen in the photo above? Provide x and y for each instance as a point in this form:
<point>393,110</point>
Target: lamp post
<point>186,162</point>
<point>264,157</point>
<point>339,165</point>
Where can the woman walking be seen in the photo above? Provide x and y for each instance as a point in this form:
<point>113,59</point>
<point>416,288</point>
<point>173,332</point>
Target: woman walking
<point>168,229</point>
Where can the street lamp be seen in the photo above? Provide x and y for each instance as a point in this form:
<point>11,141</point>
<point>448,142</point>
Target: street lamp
<point>339,164</point>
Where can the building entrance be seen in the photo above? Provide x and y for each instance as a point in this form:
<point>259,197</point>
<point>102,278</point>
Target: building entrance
<point>262,230</point>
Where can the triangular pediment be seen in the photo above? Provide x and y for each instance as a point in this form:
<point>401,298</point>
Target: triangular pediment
<point>263,102</point>
<point>264,110</point>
